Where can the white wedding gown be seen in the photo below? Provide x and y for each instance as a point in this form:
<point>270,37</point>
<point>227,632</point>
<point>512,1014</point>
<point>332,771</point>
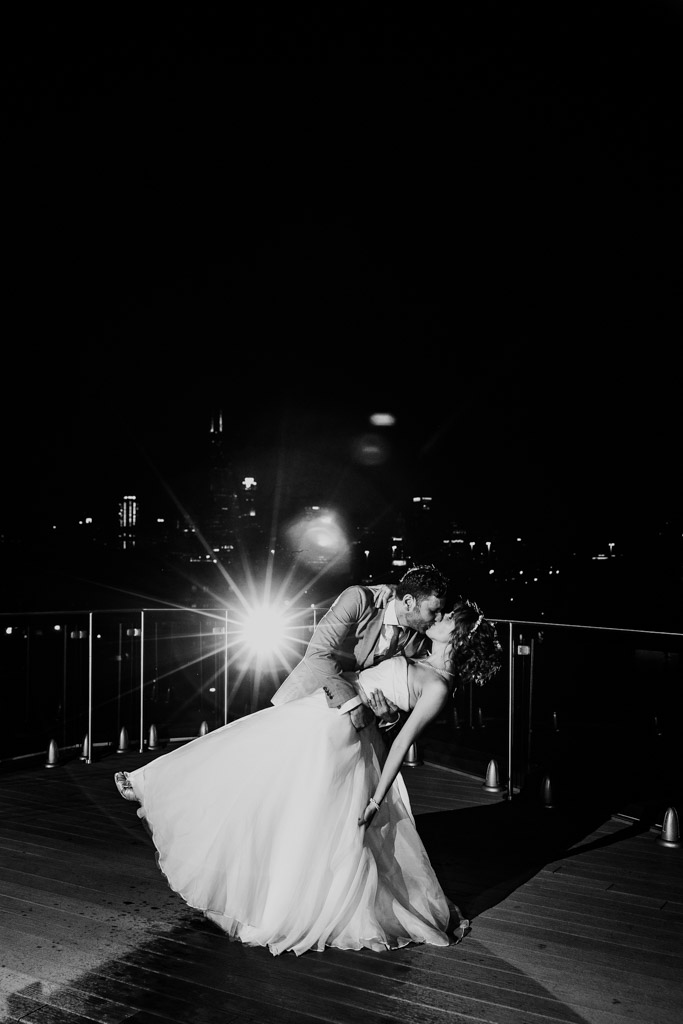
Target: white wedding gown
<point>256,825</point>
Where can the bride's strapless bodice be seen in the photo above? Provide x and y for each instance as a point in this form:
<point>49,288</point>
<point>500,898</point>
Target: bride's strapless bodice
<point>392,677</point>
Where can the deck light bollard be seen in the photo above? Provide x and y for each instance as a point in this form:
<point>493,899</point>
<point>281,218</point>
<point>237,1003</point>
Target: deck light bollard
<point>492,780</point>
<point>411,760</point>
<point>153,741</point>
<point>203,728</point>
<point>547,793</point>
<point>52,755</point>
<point>85,753</point>
<point>123,741</point>
<point>671,830</point>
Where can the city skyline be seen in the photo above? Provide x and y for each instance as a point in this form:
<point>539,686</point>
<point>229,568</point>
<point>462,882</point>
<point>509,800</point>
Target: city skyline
<point>324,458</point>
<point>203,541</point>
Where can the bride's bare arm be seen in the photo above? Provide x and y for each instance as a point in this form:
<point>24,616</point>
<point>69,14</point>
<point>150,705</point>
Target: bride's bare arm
<point>429,704</point>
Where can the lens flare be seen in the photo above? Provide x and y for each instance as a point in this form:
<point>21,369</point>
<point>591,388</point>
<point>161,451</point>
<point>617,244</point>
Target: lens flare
<point>371,450</point>
<point>319,539</point>
<point>265,631</point>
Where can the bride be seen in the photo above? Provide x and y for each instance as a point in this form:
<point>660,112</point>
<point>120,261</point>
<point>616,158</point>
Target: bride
<point>291,830</point>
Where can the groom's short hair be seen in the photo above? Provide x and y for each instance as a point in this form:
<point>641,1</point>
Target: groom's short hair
<point>423,581</point>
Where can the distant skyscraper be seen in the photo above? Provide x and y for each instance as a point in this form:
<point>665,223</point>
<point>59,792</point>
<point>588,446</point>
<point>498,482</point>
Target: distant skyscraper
<point>223,511</point>
<point>231,520</point>
<point>128,518</point>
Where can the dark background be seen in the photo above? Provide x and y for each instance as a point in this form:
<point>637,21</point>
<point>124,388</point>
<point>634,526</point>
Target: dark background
<point>301,218</point>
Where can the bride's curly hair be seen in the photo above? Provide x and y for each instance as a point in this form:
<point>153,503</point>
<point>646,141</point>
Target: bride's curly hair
<point>475,654</point>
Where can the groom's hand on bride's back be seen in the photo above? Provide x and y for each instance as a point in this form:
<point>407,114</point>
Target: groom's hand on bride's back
<point>360,717</point>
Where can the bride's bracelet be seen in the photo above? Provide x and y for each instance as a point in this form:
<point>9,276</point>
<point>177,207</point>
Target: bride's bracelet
<point>374,803</point>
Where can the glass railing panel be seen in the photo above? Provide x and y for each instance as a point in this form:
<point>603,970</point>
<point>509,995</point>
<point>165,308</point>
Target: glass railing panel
<point>596,711</point>
<point>596,715</point>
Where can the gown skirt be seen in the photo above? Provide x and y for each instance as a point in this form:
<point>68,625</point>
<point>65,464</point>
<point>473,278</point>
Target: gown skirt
<point>256,825</point>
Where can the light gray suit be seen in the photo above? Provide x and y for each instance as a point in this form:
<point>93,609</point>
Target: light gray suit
<point>345,640</point>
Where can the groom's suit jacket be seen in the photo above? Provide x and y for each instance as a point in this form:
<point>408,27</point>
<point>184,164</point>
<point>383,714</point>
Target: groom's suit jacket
<point>344,641</point>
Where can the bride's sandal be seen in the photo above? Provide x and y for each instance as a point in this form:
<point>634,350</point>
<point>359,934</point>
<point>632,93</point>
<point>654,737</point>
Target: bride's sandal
<point>461,931</point>
<point>124,787</point>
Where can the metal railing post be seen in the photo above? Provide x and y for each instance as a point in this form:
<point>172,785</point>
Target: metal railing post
<point>88,752</point>
<point>142,681</point>
<point>119,669</point>
<point>64,681</point>
<point>225,671</point>
<point>530,708</point>
<point>511,701</point>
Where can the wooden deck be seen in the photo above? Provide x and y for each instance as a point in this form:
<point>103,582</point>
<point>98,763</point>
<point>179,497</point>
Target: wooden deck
<point>576,917</point>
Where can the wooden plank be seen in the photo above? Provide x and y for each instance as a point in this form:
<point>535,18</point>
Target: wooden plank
<point>583,888</point>
<point>32,1011</point>
<point>568,890</point>
<point>608,878</point>
<point>58,838</point>
<point>104,874</point>
<point>158,904</point>
<point>138,916</point>
<point>59,826</point>
<point>492,928</point>
<point>637,940</point>
<point>63,997</point>
<point>638,857</point>
<point>550,903</point>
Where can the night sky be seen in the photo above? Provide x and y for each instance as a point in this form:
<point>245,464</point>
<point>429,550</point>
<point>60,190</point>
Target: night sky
<point>301,220</point>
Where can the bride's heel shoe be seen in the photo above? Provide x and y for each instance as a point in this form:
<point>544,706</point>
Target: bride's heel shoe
<point>124,787</point>
<point>461,931</point>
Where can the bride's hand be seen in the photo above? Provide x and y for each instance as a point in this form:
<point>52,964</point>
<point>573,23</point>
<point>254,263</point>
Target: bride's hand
<point>368,814</point>
<point>381,706</point>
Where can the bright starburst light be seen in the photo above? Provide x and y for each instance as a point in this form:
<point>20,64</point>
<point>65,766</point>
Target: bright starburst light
<point>268,637</point>
<point>264,630</point>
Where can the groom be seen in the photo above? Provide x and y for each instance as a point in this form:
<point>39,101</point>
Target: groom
<point>358,631</point>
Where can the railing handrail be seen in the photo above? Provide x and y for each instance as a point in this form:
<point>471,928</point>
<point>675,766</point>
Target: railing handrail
<point>574,625</point>
<point>499,620</point>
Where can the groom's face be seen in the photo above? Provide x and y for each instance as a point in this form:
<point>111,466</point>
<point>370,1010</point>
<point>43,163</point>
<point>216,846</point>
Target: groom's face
<point>420,616</point>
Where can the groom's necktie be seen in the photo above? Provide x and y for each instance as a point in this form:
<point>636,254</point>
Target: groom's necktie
<point>391,635</point>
